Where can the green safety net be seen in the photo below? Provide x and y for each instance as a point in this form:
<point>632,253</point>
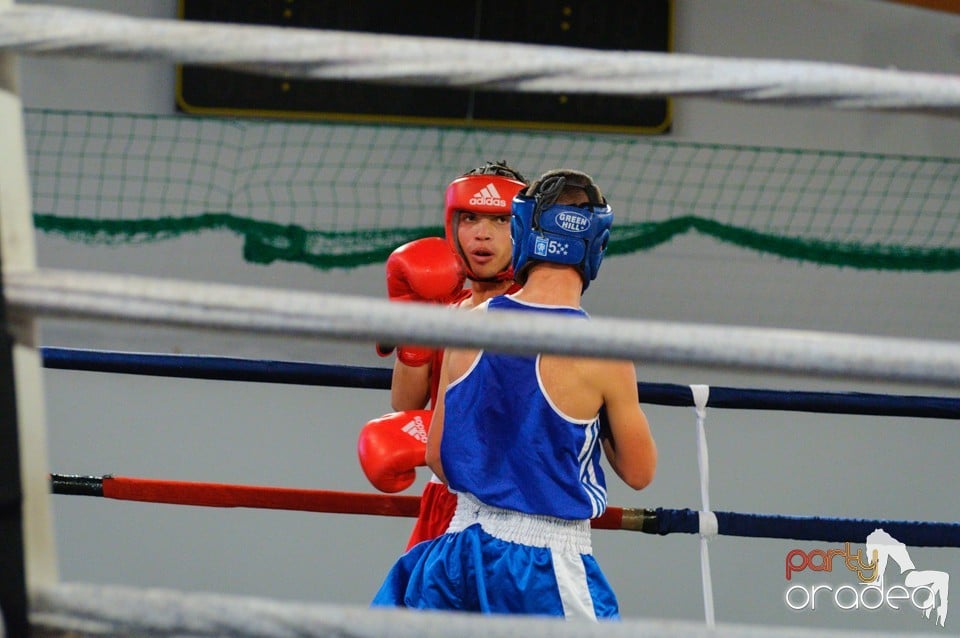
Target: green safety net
<point>333,195</point>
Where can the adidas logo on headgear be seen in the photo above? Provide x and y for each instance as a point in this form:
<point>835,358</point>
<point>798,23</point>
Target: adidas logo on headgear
<point>488,196</point>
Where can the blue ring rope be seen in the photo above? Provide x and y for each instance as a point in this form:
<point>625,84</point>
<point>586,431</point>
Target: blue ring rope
<point>303,373</point>
<point>216,368</point>
<point>806,528</point>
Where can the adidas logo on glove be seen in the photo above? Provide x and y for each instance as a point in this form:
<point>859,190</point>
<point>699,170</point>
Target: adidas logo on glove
<point>416,429</point>
<point>488,196</point>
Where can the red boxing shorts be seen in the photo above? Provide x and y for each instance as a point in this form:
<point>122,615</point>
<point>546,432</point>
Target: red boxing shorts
<point>437,505</point>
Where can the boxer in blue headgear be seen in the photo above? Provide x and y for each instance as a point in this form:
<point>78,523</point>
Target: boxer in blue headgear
<point>519,438</point>
<point>569,234</point>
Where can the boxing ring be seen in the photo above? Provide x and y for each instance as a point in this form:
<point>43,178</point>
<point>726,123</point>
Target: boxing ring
<point>30,294</point>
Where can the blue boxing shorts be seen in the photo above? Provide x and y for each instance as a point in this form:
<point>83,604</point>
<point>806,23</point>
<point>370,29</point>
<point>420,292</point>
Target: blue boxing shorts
<point>499,561</point>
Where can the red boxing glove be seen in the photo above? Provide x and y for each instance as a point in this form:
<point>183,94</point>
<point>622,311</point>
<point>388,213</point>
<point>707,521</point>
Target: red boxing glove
<point>413,356</point>
<point>392,447</point>
<point>424,270</point>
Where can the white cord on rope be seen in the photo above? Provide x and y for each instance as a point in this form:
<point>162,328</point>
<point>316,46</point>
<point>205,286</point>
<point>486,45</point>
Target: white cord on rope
<point>52,293</point>
<point>701,394</point>
<point>337,55</point>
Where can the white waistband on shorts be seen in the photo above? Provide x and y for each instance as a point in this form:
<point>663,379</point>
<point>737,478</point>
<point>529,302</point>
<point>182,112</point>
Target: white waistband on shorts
<point>558,534</point>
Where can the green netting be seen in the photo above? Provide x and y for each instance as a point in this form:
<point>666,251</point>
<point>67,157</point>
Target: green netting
<point>339,196</point>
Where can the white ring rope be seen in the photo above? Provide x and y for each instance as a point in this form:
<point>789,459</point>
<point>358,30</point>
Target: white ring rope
<point>337,55</point>
<point>169,302</point>
<point>119,612</point>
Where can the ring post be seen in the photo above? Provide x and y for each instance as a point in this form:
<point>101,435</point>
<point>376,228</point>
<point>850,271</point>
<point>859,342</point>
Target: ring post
<point>27,550</point>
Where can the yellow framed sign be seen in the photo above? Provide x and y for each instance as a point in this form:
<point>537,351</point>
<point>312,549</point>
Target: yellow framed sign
<point>644,25</point>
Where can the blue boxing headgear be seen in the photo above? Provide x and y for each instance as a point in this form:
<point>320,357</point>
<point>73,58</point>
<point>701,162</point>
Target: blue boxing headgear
<point>571,234</point>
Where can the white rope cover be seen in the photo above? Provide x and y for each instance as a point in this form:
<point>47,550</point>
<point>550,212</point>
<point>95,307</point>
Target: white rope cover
<point>53,293</point>
<point>322,54</point>
<point>81,611</point>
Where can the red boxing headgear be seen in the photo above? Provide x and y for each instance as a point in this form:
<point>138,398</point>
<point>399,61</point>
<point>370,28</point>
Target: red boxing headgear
<point>484,195</point>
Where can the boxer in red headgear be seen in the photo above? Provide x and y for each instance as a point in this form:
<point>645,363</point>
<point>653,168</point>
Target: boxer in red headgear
<point>477,247</point>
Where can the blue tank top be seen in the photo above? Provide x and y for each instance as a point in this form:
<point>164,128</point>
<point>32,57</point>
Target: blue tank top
<point>506,443</point>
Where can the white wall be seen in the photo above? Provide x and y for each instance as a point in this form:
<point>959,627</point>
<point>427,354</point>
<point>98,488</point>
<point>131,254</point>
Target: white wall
<point>872,33</point>
<point>305,437</point>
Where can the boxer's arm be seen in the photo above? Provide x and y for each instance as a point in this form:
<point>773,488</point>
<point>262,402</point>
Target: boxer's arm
<point>629,446</point>
<point>410,386</point>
